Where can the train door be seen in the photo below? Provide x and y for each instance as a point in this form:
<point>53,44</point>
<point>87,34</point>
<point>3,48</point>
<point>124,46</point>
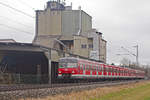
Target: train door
<point>123,72</point>
<point>87,71</point>
<point>94,66</point>
<point>99,70</point>
<point>127,73</point>
<point>112,71</point>
<point>109,71</point>
<point>102,69</point>
<point>105,70</point>
<point>92,69</point>
<point>119,71</point>
<point>80,68</point>
<point>116,71</point>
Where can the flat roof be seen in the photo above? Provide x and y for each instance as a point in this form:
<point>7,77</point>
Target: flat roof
<point>21,47</point>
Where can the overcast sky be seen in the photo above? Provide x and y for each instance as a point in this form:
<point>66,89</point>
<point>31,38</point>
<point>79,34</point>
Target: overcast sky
<point>123,23</point>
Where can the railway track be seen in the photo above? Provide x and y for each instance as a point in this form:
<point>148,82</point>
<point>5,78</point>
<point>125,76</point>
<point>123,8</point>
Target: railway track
<point>5,88</point>
<point>15,92</point>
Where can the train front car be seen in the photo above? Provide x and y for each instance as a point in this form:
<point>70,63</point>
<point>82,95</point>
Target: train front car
<point>68,66</point>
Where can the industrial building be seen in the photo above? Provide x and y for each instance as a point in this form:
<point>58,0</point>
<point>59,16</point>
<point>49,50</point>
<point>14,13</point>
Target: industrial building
<point>60,27</point>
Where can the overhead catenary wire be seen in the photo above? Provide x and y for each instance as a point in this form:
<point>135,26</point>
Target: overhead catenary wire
<point>16,29</point>
<point>15,21</point>
<point>24,3</point>
<point>8,6</point>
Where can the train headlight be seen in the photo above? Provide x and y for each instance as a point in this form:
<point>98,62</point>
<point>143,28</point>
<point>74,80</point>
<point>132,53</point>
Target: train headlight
<point>59,71</point>
<point>73,72</point>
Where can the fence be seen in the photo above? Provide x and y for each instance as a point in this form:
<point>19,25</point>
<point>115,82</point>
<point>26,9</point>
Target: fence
<point>9,78</point>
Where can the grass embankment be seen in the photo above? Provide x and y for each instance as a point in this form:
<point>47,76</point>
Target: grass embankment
<point>135,91</point>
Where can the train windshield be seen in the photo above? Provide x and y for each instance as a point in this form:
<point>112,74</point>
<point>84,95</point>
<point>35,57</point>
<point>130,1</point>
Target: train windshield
<point>67,63</point>
<point>71,65</point>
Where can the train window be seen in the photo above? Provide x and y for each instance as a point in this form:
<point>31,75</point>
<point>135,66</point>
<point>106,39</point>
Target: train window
<point>91,67</point>
<point>83,65</point>
<point>94,67</point>
<point>72,65</point>
<point>101,67</point>
<point>98,68</point>
<point>62,65</point>
<point>116,70</point>
<point>87,67</point>
<point>80,66</point>
<point>105,68</point>
<point>110,69</point>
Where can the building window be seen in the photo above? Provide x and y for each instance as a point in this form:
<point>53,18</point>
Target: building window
<point>58,12</point>
<point>90,45</point>
<point>53,13</point>
<point>83,46</point>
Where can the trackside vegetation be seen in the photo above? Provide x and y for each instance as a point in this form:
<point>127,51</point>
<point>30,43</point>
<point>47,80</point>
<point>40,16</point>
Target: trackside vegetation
<point>138,93</point>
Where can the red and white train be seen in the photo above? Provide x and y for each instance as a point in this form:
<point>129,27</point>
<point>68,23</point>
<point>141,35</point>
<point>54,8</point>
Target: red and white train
<point>76,68</point>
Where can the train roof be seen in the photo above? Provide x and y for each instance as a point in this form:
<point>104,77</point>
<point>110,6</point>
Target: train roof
<point>89,60</point>
<point>82,59</point>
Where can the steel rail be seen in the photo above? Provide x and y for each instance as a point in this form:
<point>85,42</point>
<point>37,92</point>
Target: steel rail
<point>5,88</point>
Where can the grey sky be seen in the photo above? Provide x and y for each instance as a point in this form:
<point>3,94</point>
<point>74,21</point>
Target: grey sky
<point>123,22</point>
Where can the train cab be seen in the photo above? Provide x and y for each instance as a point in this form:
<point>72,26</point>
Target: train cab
<point>68,66</point>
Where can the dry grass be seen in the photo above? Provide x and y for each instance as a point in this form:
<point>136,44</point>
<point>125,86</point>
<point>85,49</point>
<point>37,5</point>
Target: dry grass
<point>91,94</point>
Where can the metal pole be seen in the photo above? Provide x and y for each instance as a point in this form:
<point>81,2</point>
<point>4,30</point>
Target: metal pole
<point>48,55</point>
<point>50,66</point>
<point>137,55</point>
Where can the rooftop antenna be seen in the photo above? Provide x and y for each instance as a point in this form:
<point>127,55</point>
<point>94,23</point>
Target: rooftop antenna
<point>80,21</point>
<point>44,6</point>
<point>71,4</point>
